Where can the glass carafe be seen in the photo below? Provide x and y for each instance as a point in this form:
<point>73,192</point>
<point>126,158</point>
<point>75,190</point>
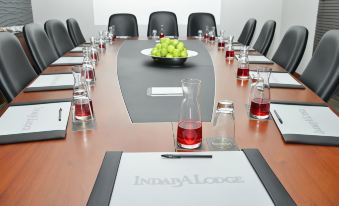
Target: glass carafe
<point>88,66</point>
<point>260,95</point>
<point>189,133</point>
<point>224,126</point>
<point>206,35</point>
<point>162,32</point>
<point>243,64</point>
<point>229,49</point>
<point>111,33</point>
<point>212,34</point>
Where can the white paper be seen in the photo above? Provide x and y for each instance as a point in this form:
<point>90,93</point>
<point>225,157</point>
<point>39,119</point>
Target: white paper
<point>256,58</point>
<point>146,179</point>
<point>34,118</point>
<point>278,78</point>
<point>306,120</point>
<point>77,49</point>
<point>53,80</point>
<point>166,91</point>
<point>69,60</point>
<point>239,47</point>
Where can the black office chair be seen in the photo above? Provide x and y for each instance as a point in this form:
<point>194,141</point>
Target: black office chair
<point>166,18</point>
<point>58,35</point>
<point>247,32</point>
<point>291,48</point>
<point>265,37</point>
<point>40,46</point>
<point>16,71</point>
<point>322,72</point>
<point>75,32</point>
<point>199,21</point>
<point>125,24</point>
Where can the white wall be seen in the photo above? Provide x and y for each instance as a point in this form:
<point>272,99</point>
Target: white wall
<point>301,12</point>
<point>234,14</point>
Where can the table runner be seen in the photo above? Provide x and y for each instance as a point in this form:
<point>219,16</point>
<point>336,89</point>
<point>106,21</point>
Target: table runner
<point>137,72</point>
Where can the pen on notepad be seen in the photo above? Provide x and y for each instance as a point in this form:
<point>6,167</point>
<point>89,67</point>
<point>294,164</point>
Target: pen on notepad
<point>60,113</point>
<point>175,156</point>
<point>279,118</point>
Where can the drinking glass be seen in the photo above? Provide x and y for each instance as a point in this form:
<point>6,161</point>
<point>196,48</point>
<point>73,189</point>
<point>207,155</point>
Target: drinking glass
<point>199,33</point>
<point>154,34</point>
<point>224,126</point>
<point>111,31</point>
<point>189,133</point>
<point>162,32</point>
<point>206,33</point>
<point>212,34</point>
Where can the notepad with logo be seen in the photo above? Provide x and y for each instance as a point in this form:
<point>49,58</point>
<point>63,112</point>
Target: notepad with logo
<point>306,124</point>
<point>51,82</point>
<point>34,121</point>
<point>257,59</point>
<point>144,179</point>
<point>281,80</point>
<point>64,61</point>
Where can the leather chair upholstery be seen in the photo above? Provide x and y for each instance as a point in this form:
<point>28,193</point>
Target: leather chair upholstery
<point>16,71</point>
<point>291,48</point>
<point>40,46</point>
<point>247,32</point>
<point>322,73</point>
<point>125,24</point>
<point>166,18</point>
<point>199,21</point>
<point>75,32</point>
<point>265,37</point>
<point>59,37</point>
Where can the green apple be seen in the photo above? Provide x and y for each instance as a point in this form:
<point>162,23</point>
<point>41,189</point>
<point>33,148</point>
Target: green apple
<point>163,52</point>
<point>169,55</point>
<point>183,54</point>
<point>176,53</point>
<point>170,48</point>
<point>164,45</point>
<point>158,46</point>
<point>174,42</point>
<point>157,54</point>
<point>180,46</point>
<point>154,51</point>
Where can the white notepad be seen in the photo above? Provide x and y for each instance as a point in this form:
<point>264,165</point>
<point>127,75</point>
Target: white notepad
<point>306,120</point>
<point>53,80</point>
<point>226,179</point>
<point>77,49</point>
<point>34,118</point>
<point>69,61</point>
<point>257,59</point>
<point>239,47</point>
<point>165,91</point>
<point>278,78</point>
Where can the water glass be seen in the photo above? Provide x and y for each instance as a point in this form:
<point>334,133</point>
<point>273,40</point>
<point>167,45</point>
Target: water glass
<point>154,34</point>
<point>200,34</point>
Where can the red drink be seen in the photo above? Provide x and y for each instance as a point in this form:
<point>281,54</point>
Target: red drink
<point>243,73</point>
<point>212,38</point>
<point>162,35</point>
<point>230,54</point>
<point>89,74</point>
<point>189,135</point>
<point>102,45</point>
<point>206,36</point>
<point>260,108</point>
<point>94,56</point>
<point>83,109</point>
<point>221,45</point>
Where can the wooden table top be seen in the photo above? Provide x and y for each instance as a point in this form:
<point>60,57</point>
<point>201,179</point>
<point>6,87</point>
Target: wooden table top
<point>63,172</point>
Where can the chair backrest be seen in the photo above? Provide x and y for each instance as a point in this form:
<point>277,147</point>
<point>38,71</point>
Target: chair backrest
<point>265,37</point>
<point>199,21</point>
<point>59,37</point>
<point>75,32</point>
<point>166,18</point>
<point>322,72</point>
<point>125,24</point>
<point>15,70</point>
<point>291,48</point>
<point>40,46</point>
<point>247,32</point>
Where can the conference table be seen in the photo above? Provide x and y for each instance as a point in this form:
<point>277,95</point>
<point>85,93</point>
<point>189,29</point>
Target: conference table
<point>63,172</point>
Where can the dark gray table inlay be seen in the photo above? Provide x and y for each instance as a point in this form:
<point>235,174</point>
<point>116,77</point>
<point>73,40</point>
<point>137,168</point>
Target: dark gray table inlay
<point>137,72</point>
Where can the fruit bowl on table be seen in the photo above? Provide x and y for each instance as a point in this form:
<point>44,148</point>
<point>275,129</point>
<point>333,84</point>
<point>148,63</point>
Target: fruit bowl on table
<point>170,52</point>
<point>169,60</point>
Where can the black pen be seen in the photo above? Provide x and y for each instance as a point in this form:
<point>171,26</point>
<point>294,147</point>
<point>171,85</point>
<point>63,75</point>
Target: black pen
<point>60,112</point>
<point>279,118</point>
<point>177,156</point>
